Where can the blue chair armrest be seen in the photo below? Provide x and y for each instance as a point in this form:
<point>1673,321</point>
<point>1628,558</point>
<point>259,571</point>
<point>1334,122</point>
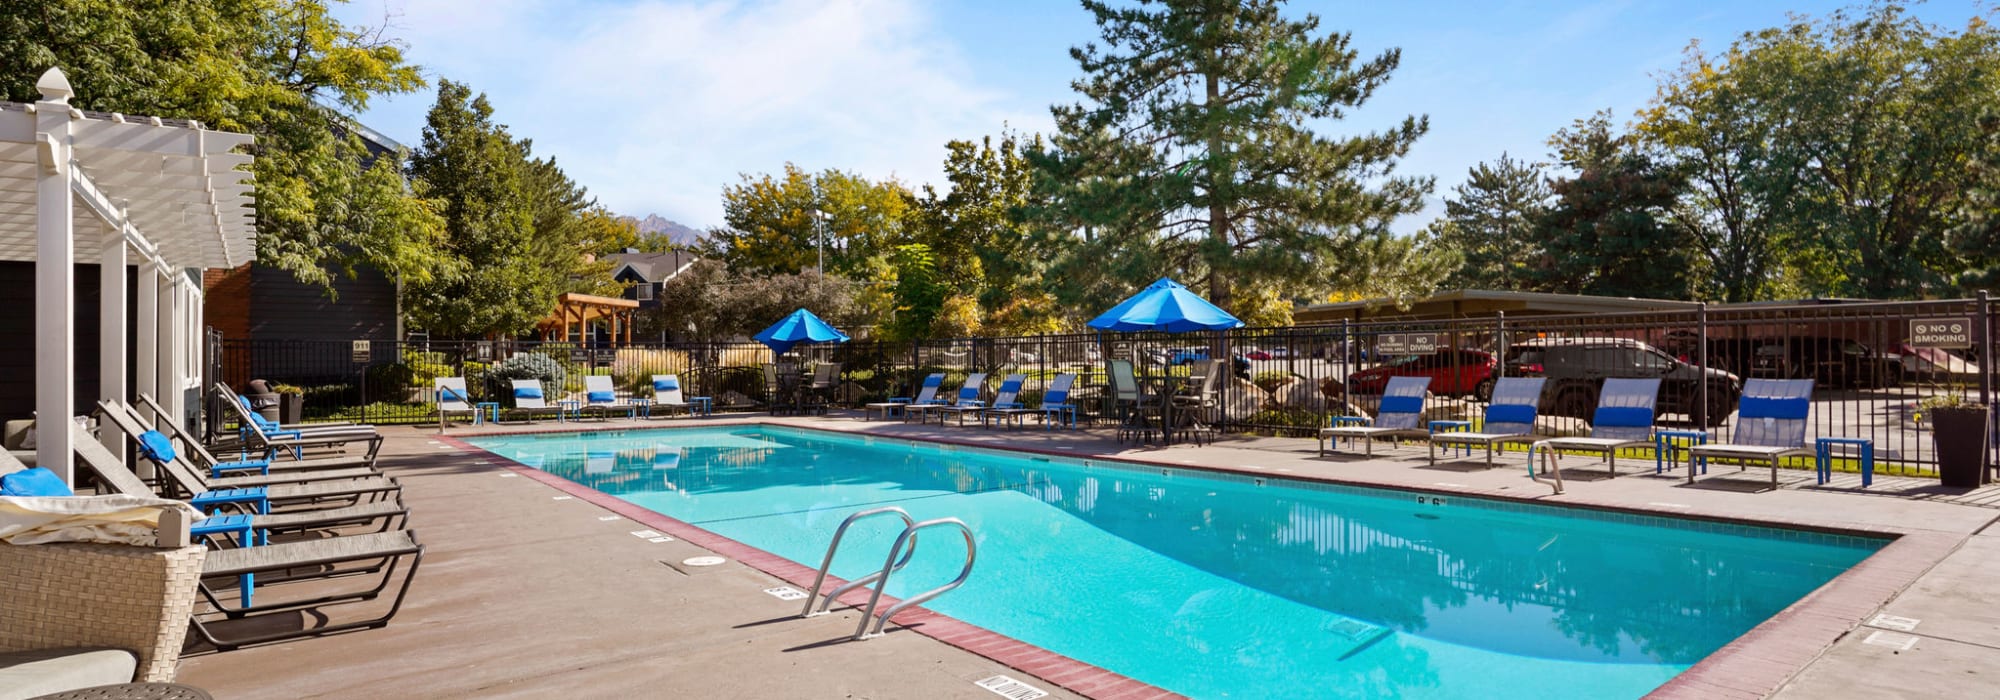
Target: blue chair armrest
<point>1338,421</point>
<point>256,496</point>
<point>261,466</point>
<point>899,399</point>
<point>1008,404</point>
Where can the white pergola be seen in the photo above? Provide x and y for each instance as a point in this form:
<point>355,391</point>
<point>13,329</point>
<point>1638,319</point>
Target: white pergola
<point>166,195</point>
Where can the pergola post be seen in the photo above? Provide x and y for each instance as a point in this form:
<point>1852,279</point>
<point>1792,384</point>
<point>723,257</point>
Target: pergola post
<point>146,363</point>
<point>111,333</point>
<point>55,279</point>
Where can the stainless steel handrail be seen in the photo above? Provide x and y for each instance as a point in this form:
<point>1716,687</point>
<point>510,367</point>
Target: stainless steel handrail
<point>909,537</point>
<point>831,547</point>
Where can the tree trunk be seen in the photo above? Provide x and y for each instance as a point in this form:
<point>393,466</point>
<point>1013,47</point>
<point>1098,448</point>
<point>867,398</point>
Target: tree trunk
<point>1218,210</point>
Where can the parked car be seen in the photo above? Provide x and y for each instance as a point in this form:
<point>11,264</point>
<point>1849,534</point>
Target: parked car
<point>1935,364</point>
<point>1261,354</point>
<point>1452,372</point>
<point>1829,362</point>
<point>1577,367</point>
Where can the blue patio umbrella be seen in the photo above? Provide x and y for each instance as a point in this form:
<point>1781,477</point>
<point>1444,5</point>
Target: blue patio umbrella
<point>800,327</point>
<point>1165,306</point>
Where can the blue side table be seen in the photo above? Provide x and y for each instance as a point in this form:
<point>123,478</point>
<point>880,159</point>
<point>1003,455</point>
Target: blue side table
<point>641,406</point>
<point>1446,426</point>
<point>707,404</point>
<point>237,526</point>
<point>568,407</point>
<point>1823,458</point>
<point>489,409</point>
<point>1666,448</point>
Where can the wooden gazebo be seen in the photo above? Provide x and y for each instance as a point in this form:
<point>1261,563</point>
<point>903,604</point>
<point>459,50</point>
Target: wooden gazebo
<point>578,311</point>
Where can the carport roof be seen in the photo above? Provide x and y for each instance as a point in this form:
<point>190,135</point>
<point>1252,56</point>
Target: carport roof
<point>1479,303</point>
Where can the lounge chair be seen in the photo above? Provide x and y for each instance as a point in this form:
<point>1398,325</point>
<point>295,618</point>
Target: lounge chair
<point>975,384</point>
<point>218,468</point>
<point>1055,407</point>
<point>1623,420</point>
<point>927,394</point>
<point>1010,389</point>
<point>452,397</point>
<point>295,440</point>
<point>667,394</point>
<point>1509,418</point>
<point>159,449</point>
<point>1400,415</point>
<point>240,405</point>
<point>601,396</point>
<point>327,558</point>
<point>1770,426</point>
<point>1188,409</point>
<point>114,474</point>
<point>528,399</point>
<point>261,499</point>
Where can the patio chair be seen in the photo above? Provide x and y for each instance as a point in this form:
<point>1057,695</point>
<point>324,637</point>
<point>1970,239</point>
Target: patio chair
<point>1130,403</point>
<point>1010,389</point>
<point>218,468</point>
<point>528,399</point>
<point>1509,418</point>
<point>1189,408</point>
<point>1770,426</point>
<point>1623,420</point>
<point>825,381</point>
<point>926,394</point>
<point>112,473</point>
<point>778,383</point>
<point>667,394</point>
<point>601,396</point>
<point>975,384</point>
<point>452,397</point>
<point>1400,415</point>
<point>1055,406</point>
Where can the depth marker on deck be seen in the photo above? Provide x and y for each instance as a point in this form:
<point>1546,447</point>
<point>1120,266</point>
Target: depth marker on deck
<point>786,593</point>
<point>1664,504</point>
<point>661,538</point>
<point>1893,640</point>
<point>1009,688</point>
<point>1895,622</point>
<point>607,518</point>
<point>509,475</point>
<point>647,534</point>
<point>561,498</point>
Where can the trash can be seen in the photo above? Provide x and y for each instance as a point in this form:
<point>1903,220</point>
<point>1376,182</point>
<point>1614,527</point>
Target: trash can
<point>263,400</point>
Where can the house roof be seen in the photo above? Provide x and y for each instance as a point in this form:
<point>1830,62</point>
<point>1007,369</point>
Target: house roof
<point>1468,303</point>
<point>651,267</point>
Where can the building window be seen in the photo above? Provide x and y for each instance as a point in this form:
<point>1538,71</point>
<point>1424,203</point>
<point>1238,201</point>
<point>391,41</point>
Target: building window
<point>645,290</point>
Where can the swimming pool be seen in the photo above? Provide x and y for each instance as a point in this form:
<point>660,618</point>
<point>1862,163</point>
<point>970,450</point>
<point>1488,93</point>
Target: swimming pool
<point>1216,585</point>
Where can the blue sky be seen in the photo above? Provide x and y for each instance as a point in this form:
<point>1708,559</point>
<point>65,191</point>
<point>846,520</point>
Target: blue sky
<point>656,105</point>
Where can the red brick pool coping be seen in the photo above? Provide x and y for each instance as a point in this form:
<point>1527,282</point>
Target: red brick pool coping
<point>1753,665</point>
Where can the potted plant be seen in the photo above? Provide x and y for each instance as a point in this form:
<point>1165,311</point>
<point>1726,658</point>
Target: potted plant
<point>291,403</point>
<point>1959,431</point>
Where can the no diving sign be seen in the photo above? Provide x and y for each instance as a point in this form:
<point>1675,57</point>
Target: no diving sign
<point>1952,333</point>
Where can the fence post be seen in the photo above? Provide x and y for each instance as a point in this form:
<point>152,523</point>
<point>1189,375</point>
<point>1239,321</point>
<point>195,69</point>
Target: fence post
<point>1986,373</point>
<point>1499,346</point>
<point>1701,387</point>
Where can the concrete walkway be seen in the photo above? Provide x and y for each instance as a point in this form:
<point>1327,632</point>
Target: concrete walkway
<point>530,591</point>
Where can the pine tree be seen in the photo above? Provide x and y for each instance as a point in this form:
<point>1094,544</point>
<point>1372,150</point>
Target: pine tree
<point>1490,220</point>
<point>1196,152</point>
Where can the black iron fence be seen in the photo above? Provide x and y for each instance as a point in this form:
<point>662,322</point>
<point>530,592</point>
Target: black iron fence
<point>1872,378</point>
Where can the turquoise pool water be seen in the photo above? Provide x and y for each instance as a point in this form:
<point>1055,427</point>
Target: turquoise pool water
<point>1218,586</point>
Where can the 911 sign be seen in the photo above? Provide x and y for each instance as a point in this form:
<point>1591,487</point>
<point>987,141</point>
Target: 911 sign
<point>1950,333</point>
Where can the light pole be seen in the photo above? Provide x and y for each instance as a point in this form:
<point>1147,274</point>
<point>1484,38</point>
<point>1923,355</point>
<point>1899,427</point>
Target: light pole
<point>819,221</point>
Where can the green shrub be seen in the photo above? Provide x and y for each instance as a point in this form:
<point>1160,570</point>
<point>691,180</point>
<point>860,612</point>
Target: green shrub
<point>527,365</point>
<point>1270,380</point>
<point>426,367</point>
<point>1285,420</point>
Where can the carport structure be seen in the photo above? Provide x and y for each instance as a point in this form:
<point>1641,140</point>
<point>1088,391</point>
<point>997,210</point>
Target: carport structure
<point>168,196</point>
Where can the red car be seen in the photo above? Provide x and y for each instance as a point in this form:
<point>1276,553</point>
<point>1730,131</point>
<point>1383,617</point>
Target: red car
<point>1452,372</point>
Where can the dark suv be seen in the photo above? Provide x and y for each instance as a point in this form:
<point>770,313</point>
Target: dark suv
<point>1577,367</point>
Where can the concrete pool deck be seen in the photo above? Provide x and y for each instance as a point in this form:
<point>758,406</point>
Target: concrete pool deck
<point>530,590</point>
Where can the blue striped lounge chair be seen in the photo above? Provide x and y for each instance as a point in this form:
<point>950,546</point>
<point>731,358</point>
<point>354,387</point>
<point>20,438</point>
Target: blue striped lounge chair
<point>1509,418</point>
<point>1400,415</point>
<point>1624,418</point>
<point>1770,426</point>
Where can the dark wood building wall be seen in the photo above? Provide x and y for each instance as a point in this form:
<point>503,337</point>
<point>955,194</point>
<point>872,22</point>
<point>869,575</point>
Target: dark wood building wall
<point>17,327</point>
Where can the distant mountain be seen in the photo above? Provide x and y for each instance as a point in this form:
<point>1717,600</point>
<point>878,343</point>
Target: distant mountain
<point>680,234</point>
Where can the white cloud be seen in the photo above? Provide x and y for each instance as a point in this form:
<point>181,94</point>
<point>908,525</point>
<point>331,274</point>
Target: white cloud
<point>656,105</point>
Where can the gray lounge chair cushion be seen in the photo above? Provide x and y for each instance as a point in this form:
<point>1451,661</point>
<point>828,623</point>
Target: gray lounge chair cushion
<point>26,674</point>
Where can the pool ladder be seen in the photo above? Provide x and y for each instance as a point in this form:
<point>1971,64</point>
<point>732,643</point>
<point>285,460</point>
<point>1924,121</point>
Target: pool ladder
<point>899,556</point>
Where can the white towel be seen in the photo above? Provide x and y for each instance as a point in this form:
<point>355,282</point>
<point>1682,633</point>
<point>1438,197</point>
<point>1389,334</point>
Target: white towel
<point>110,519</point>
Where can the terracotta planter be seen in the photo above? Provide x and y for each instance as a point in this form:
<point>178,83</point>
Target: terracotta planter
<point>1960,435</point>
